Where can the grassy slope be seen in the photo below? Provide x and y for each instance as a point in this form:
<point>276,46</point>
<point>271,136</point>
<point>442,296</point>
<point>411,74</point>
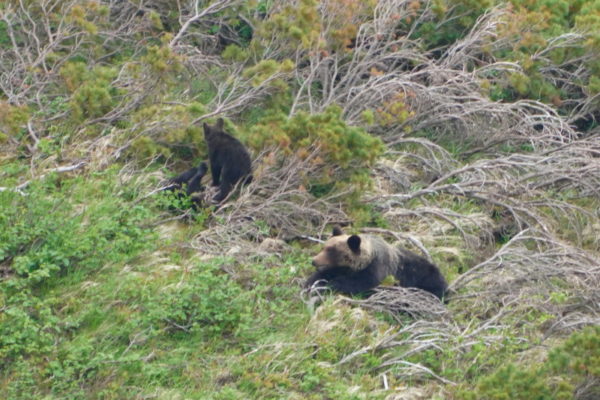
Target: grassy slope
<point>167,321</point>
<point>101,298</point>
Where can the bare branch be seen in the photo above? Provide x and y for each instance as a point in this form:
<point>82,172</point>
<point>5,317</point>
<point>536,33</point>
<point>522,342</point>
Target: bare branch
<point>195,13</point>
<point>23,185</point>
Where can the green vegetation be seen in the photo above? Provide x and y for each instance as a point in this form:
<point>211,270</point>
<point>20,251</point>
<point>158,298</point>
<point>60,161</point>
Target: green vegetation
<point>463,129</point>
<point>348,147</point>
<point>572,364</point>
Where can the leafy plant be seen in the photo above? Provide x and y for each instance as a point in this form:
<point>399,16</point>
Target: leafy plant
<point>569,364</point>
<point>349,147</point>
<point>208,302</point>
<point>42,235</point>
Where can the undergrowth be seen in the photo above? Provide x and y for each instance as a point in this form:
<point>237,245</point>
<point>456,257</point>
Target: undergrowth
<point>466,131</point>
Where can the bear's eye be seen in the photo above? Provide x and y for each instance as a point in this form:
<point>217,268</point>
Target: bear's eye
<point>329,250</point>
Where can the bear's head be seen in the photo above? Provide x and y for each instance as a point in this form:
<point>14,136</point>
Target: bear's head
<point>216,129</point>
<point>352,251</point>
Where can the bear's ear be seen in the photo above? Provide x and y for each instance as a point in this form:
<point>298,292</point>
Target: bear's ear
<point>354,243</point>
<point>206,127</point>
<point>337,231</point>
<point>220,124</point>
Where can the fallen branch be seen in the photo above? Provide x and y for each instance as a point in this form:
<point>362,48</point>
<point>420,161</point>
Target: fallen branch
<point>23,185</point>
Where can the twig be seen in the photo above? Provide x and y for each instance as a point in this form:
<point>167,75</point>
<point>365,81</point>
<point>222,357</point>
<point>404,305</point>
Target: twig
<point>23,185</point>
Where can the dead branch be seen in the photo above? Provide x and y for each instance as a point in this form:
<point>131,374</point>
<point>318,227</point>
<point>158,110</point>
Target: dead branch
<point>23,185</point>
<point>398,301</point>
<point>192,12</point>
<point>518,183</point>
<point>275,202</point>
<point>527,270</point>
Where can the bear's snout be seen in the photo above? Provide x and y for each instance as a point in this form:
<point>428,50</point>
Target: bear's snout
<point>316,262</point>
<point>319,261</point>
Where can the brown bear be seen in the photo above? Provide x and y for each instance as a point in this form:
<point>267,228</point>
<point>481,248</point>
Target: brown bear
<point>188,185</point>
<point>189,180</point>
<point>358,263</point>
<point>229,160</point>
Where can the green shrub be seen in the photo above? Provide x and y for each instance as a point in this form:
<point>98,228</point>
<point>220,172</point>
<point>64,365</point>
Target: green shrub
<point>578,358</point>
<point>570,364</point>
<point>511,383</point>
<point>92,92</point>
<point>208,302</point>
<point>162,62</point>
<point>13,119</point>
<point>295,25</point>
<point>535,24</point>
<point>345,150</point>
<point>28,325</point>
<point>451,21</point>
<point>182,140</point>
<point>59,233</point>
<point>4,36</point>
<point>48,233</point>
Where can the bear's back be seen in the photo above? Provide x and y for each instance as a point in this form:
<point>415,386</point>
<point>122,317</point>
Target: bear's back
<point>416,271</point>
<point>229,151</point>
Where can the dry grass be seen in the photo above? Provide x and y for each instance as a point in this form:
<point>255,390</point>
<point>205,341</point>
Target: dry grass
<point>275,204</point>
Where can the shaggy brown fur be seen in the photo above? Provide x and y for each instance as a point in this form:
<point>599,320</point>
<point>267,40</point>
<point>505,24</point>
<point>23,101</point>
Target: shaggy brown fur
<point>354,264</point>
<point>335,252</point>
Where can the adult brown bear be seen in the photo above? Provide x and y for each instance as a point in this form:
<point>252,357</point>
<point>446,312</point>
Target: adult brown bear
<point>357,263</point>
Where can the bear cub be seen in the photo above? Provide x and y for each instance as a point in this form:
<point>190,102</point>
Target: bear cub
<point>229,160</point>
<point>190,180</point>
<point>189,183</point>
<point>357,263</point>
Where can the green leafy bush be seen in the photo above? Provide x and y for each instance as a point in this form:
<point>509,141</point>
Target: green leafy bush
<point>345,150</point>
<point>59,233</point>
<point>578,359</point>
<point>183,140</point>
<point>570,364</point>
<point>48,233</point>
<point>536,24</point>
<point>27,325</point>
<point>92,92</point>
<point>451,21</point>
<point>208,302</point>
<point>12,119</point>
<point>511,383</point>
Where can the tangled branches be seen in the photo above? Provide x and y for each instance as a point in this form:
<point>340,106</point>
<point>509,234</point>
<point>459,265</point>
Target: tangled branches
<point>524,186</point>
<point>275,201</point>
<point>396,301</point>
<point>444,92</point>
<point>533,271</point>
<point>46,34</point>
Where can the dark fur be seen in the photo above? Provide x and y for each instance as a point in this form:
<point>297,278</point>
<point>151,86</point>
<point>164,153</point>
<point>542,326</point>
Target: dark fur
<point>188,183</point>
<point>417,272</point>
<point>229,160</point>
<point>411,270</point>
<point>189,180</point>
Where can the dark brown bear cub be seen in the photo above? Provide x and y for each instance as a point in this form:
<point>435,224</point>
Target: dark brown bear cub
<point>229,160</point>
<point>353,264</point>
<point>188,184</point>
<point>190,180</point>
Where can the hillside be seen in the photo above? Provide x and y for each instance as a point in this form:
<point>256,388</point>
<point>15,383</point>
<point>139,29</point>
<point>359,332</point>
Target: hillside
<point>464,130</point>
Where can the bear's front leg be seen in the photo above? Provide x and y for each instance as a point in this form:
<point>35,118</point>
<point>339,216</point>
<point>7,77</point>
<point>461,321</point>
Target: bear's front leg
<point>326,275</point>
<point>358,282</point>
